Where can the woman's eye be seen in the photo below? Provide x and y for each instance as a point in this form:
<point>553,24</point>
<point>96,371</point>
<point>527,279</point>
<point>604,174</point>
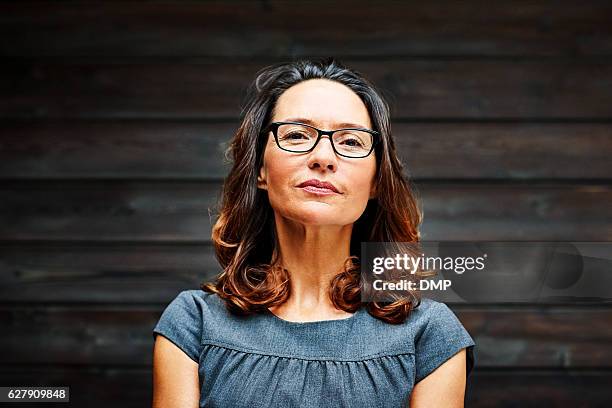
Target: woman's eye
<point>352,142</point>
<point>294,135</point>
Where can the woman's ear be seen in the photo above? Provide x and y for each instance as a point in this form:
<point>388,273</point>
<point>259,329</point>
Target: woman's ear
<point>261,179</point>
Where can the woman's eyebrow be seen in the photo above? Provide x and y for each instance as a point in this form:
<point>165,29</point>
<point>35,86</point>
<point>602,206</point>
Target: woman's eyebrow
<point>338,125</point>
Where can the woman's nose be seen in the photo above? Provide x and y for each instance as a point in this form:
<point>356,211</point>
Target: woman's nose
<point>324,153</point>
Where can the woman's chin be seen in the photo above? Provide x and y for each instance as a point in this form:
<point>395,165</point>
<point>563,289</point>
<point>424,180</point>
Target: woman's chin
<point>317,215</point>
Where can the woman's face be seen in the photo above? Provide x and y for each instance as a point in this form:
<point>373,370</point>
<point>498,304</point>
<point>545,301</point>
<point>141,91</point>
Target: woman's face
<point>326,103</point>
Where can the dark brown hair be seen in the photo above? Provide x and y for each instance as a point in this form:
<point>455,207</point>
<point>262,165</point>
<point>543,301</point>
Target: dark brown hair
<point>244,234</point>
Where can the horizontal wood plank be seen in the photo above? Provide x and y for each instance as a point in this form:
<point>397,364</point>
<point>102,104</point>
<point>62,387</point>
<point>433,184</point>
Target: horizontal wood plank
<point>539,388</point>
<point>273,28</point>
<point>528,337</point>
<point>148,211</point>
<point>125,273</point>
<point>111,159</point>
<point>168,211</point>
<point>536,212</point>
<point>90,386</point>
<point>195,150</point>
<point>417,89</point>
<point>132,387</point>
<point>90,273</point>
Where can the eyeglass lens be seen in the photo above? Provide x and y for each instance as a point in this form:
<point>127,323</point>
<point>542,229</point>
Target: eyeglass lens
<point>298,138</point>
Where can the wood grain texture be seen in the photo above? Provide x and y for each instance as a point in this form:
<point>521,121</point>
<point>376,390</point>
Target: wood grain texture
<point>93,273</point>
<point>527,336</point>
<point>158,150</point>
<point>271,28</point>
<point>172,211</point>
<point>115,117</point>
<point>449,89</point>
<point>94,386</point>
<point>90,386</point>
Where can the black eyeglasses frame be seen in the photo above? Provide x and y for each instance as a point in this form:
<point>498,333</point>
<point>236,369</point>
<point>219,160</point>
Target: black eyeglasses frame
<point>275,125</point>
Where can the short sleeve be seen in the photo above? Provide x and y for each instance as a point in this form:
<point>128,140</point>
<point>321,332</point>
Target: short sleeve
<point>181,323</point>
<point>443,337</point>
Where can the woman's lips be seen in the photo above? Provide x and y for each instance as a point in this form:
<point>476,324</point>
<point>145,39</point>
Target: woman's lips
<point>318,191</point>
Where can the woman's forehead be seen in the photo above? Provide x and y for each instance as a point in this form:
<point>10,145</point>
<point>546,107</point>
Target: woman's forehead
<point>326,103</point>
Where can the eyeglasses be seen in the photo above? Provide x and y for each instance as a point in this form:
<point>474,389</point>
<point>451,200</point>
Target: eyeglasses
<point>298,137</point>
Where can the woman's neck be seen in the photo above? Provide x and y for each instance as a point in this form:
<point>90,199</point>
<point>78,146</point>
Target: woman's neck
<point>313,255</point>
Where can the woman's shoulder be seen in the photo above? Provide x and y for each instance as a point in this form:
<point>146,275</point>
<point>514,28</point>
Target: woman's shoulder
<point>206,305</point>
<point>419,317</point>
<point>428,310</point>
<point>433,317</point>
<point>193,309</point>
<point>424,310</point>
<point>405,335</point>
<point>440,335</point>
<point>182,321</point>
<point>199,295</point>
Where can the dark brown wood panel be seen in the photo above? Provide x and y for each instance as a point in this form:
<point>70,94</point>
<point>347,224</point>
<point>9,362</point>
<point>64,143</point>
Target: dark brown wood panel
<point>131,274</point>
<point>114,149</point>
<point>423,89</point>
<point>108,211</point>
<point>132,387</point>
<point>522,212</point>
<point>529,336</point>
<point>539,388</point>
<point>274,28</point>
<point>147,211</point>
<point>90,386</point>
<point>111,274</point>
<point>157,150</point>
<point>115,118</point>
<point>505,151</point>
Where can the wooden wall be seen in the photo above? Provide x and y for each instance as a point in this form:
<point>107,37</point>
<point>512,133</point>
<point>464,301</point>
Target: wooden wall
<point>114,117</point>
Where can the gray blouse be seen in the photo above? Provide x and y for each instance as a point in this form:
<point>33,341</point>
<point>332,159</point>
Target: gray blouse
<point>265,361</point>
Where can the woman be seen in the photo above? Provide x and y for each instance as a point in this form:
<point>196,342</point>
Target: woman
<point>284,324</point>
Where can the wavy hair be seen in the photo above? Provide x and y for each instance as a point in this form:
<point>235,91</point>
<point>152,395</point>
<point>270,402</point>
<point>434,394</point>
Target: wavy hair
<point>244,235</point>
